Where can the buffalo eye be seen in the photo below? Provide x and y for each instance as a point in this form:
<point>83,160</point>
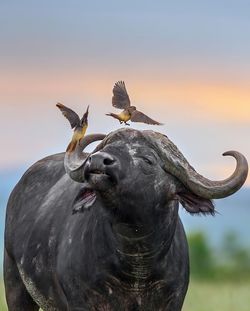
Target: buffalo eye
<point>148,160</point>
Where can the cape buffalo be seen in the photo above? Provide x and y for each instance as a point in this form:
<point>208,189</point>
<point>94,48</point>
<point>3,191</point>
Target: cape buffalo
<point>101,231</point>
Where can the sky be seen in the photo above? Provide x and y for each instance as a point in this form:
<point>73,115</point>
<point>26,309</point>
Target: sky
<point>185,64</point>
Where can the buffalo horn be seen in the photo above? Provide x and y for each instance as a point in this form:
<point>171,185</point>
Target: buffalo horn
<point>176,164</point>
<point>73,161</point>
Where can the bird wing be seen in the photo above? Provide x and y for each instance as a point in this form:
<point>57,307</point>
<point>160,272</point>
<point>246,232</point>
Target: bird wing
<point>85,115</point>
<point>73,117</point>
<point>120,97</point>
<point>138,116</point>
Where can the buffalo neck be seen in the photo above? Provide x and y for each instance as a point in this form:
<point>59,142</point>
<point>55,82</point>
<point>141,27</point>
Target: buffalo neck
<point>141,248</point>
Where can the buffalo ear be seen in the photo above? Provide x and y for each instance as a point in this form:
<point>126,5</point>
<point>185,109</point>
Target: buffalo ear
<point>195,204</point>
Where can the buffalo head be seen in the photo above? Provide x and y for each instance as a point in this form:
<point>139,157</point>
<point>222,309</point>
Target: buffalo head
<point>141,172</point>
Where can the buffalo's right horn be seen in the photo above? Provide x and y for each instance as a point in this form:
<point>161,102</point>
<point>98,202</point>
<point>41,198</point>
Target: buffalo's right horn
<point>74,161</point>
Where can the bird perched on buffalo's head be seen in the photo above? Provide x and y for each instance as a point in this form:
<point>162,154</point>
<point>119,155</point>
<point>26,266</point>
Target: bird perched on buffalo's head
<point>79,125</point>
<point>121,100</point>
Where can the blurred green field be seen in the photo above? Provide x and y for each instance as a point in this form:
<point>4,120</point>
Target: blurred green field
<point>219,296</point>
<point>2,298</point>
<point>205,296</point>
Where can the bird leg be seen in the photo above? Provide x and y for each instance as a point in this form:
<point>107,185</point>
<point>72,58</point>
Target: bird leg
<point>126,123</point>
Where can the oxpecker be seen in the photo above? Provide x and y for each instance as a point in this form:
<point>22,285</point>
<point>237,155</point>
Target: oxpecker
<point>121,100</point>
<point>79,125</point>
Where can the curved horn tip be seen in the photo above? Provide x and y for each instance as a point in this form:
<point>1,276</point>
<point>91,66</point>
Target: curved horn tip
<point>74,161</point>
<point>238,156</point>
<point>229,153</point>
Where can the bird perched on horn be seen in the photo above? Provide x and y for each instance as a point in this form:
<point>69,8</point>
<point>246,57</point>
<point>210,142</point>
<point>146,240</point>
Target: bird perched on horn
<point>79,125</point>
<point>121,100</point>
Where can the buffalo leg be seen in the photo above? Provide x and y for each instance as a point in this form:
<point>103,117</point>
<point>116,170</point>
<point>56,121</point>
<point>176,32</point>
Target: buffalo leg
<point>17,297</point>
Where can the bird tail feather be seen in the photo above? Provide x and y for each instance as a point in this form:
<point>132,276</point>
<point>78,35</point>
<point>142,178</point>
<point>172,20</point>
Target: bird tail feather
<point>113,115</point>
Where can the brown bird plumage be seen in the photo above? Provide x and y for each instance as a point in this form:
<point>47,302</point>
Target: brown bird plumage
<point>79,125</point>
<point>121,100</point>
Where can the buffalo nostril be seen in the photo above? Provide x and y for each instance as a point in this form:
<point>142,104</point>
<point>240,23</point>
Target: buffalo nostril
<point>108,161</point>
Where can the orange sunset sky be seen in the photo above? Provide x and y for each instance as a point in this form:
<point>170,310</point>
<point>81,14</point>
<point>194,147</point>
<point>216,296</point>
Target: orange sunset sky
<point>186,65</point>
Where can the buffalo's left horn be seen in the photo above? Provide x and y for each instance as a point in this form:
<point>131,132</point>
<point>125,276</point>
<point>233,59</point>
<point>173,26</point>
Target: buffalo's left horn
<point>176,164</point>
<point>220,189</point>
<point>73,161</point>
